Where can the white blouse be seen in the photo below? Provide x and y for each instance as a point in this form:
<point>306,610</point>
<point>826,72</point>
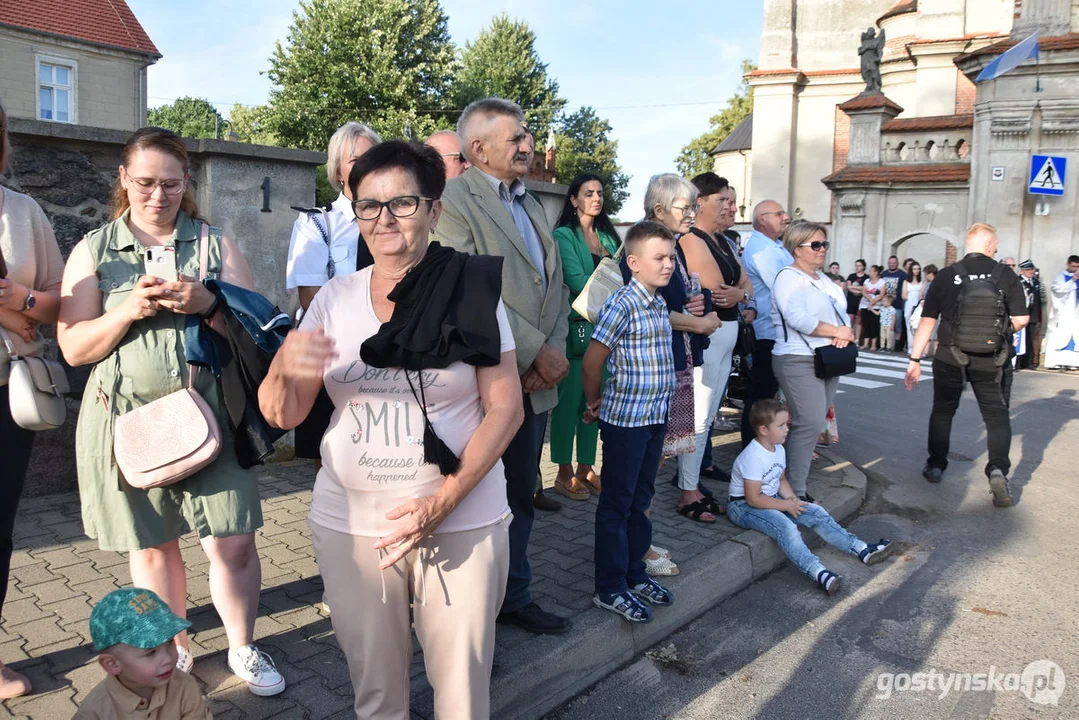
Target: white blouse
<point>799,303</point>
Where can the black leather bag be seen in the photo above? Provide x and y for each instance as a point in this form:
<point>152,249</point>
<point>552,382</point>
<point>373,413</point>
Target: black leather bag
<point>829,361</point>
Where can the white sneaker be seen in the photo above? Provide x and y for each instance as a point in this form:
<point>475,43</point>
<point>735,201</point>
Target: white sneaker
<point>257,670</point>
<point>184,660</point>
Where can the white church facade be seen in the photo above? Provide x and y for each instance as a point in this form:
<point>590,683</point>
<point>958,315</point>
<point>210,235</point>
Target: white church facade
<point>904,172</point>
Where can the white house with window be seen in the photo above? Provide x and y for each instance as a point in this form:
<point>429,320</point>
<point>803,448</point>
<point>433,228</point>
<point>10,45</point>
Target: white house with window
<point>82,64</point>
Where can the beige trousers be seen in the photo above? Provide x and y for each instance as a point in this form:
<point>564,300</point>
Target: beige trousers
<point>456,583</point>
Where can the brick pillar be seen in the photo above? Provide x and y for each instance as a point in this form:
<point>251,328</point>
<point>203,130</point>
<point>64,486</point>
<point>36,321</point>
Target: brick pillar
<point>951,253</point>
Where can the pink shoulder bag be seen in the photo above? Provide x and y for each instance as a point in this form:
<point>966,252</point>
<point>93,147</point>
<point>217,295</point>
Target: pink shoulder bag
<point>172,437</point>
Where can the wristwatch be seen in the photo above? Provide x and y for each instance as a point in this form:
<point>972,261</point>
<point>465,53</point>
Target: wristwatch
<point>31,301</point>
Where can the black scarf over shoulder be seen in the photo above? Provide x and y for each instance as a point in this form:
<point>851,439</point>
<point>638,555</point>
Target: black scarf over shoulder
<point>444,312</point>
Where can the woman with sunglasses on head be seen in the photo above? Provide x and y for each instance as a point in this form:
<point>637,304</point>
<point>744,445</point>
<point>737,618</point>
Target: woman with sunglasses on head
<point>129,326</point>
<point>584,235</point>
<point>809,311</point>
<point>30,271</point>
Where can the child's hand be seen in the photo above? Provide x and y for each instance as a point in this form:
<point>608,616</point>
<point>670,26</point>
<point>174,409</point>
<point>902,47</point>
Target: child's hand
<point>796,507</point>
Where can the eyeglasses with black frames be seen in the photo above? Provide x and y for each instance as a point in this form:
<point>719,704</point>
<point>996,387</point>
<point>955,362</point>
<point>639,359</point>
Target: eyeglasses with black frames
<point>401,206</point>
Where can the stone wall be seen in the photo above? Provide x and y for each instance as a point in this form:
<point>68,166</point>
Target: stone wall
<point>71,172</point>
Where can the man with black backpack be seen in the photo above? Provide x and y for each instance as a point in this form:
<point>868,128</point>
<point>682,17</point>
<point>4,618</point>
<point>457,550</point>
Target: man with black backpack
<point>980,304</point>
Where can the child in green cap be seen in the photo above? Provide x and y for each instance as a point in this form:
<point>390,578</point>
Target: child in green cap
<point>133,630</point>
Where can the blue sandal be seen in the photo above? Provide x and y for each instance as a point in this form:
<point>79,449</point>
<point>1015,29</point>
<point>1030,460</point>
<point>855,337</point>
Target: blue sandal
<point>654,593</point>
<point>624,604</point>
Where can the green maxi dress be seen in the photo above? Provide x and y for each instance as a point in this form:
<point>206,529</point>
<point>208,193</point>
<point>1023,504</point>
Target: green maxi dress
<point>148,363</point>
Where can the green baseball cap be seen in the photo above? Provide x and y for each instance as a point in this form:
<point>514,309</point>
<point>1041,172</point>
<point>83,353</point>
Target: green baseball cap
<point>135,617</point>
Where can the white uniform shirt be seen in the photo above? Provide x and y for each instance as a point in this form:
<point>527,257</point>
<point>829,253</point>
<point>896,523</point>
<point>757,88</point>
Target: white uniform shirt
<point>308,252</point>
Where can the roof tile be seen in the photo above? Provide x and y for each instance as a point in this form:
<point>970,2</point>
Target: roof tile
<point>102,22</point>
<point>866,102</point>
<point>923,172</point>
<point>936,122</point>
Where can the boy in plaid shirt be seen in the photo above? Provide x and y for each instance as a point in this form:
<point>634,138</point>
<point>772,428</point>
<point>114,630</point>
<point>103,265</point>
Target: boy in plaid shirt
<point>632,338</point>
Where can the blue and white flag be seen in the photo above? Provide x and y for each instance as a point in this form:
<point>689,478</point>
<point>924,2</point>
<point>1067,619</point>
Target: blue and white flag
<point>1011,59</point>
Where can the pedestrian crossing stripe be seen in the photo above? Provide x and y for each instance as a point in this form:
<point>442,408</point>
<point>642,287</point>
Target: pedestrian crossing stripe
<point>1047,175</point>
<point>875,370</point>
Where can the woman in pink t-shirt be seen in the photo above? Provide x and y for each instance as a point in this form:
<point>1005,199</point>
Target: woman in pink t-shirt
<point>410,505</point>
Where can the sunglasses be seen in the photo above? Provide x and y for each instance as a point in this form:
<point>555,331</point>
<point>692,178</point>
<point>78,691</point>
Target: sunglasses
<point>817,245</point>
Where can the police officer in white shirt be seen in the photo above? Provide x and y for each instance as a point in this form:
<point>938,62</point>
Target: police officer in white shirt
<point>326,241</point>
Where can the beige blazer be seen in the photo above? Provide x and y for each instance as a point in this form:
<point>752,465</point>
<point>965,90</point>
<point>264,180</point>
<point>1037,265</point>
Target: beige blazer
<point>475,221</point>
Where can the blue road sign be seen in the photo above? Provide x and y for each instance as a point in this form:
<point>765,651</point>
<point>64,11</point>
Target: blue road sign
<point>1047,175</point>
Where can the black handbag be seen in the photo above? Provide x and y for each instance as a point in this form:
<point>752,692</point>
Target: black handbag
<point>829,361</point>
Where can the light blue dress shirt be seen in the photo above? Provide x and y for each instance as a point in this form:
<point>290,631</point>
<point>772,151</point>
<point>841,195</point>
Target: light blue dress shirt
<point>512,198</point>
<point>763,259</point>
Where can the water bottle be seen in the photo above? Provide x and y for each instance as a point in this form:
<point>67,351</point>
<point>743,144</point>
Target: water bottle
<point>694,284</point>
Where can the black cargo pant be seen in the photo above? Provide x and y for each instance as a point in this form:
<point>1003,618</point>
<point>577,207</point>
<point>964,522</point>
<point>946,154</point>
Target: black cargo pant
<point>986,380</point>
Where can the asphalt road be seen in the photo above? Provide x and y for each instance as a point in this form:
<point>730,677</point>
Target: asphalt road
<point>978,590</point>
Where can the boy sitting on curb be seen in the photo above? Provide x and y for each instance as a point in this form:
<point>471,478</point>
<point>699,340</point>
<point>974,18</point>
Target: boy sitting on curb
<point>633,338</point>
<point>762,499</point>
<point>133,630</point>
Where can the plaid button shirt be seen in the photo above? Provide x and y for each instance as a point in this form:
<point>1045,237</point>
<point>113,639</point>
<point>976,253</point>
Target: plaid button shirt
<point>636,326</point>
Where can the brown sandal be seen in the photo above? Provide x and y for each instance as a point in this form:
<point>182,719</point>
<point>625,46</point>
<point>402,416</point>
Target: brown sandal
<point>575,491</point>
<point>592,481</point>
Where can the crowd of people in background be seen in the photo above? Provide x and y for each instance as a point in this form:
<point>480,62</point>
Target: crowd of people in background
<point>435,341</point>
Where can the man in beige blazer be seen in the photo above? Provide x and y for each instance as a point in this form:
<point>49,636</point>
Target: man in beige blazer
<point>487,211</point>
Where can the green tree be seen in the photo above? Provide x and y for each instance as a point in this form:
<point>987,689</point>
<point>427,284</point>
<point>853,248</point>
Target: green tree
<point>584,145</point>
<point>696,157</point>
<point>503,61</point>
<point>381,62</point>
<point>251,125</point>
<point>188,117</point>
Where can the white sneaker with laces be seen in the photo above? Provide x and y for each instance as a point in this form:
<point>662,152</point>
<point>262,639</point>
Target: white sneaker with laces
<point>184,659</point>
<point>257,670</point>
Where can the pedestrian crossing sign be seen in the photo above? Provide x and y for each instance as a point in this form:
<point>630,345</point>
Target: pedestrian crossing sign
<point>1047,175</point>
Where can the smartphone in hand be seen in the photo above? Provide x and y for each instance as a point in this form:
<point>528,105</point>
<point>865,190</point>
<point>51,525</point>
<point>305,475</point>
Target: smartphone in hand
<point>161,263</point>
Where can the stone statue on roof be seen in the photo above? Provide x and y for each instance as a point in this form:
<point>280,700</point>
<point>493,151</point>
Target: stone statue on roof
<point>871,50</point>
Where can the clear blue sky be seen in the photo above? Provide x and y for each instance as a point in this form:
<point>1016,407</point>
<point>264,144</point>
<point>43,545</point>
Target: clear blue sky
<point>620,57</point>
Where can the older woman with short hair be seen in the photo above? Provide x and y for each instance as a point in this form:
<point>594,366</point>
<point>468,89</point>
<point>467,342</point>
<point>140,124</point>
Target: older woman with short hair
<point>671,200</point>
<point>809,311</point>
<point>325,243</point>
<point>409,507</point>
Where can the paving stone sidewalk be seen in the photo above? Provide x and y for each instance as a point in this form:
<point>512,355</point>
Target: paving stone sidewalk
<point>58,573</point>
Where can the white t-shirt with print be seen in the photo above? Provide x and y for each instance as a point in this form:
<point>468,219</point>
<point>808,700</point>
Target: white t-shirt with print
<point>372,452</point>
<point>757,463</point>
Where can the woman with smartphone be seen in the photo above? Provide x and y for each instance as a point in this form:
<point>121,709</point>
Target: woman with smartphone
<point>30,271</point>
<point>129,325</point>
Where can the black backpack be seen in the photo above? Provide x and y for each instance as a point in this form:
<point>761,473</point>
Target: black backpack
<point>981,316</point>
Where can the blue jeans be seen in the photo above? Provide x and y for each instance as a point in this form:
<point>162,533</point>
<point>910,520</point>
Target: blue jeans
<point>631,458</point>
<point>522,458</point>
<point>784,529</point>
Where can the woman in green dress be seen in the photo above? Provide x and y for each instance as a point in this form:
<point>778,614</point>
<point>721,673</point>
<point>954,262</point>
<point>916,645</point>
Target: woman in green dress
<point>130,327</point>
<point>584,235</point>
